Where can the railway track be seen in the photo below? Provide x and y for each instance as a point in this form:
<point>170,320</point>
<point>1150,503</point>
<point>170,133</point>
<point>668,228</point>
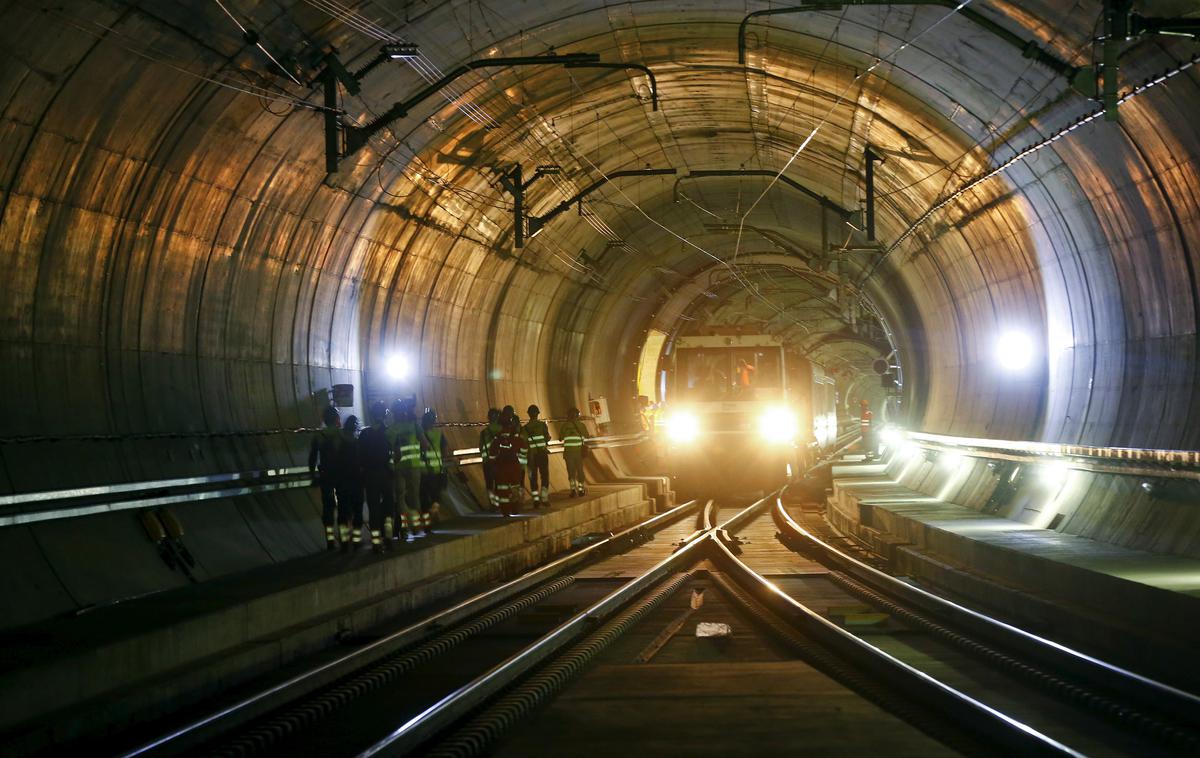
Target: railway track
<point>596,650</point>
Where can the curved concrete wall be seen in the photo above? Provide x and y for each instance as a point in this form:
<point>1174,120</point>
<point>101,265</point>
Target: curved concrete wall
<point>178,260</point>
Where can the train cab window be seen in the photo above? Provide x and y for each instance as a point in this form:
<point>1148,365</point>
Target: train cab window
<point>757,374</point>
<point>705,374</point>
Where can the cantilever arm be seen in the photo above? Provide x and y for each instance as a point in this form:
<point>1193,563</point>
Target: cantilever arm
<point>357,136</point>
<point>824,201</point>
<point>537,223</point>
<point>1029,48</point>
<point>639,66</point>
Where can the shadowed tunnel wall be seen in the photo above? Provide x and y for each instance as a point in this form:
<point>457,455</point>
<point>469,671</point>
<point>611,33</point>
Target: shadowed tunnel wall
<point>178,261</point>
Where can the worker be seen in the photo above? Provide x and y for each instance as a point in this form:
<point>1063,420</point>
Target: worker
<point>517,496</point>
<point>865,424</point>
<point>350,487</point>
<point>745,376</point>
<point>645,414</point>
<point>322,461</point>
<point>433,480</point>
<point>573,434</point>
<point>537,435</point>
<point>407,441</point>
<point>508,450</point>
<point>376,454</point>
<point>486,435</point>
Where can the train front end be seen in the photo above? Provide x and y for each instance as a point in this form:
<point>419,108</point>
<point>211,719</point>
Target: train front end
<point>728,427</point>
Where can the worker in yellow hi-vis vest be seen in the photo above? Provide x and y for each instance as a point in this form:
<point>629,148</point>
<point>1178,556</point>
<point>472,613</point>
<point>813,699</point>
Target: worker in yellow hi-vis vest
<point>407,440</point>
<point>433,481</point>
<point>573,434</point>
<point>486,435</point>
<point>537,436</point>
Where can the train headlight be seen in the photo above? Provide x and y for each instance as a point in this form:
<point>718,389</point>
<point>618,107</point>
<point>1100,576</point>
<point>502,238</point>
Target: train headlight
<point>777,425</point>
<point>682,426</point>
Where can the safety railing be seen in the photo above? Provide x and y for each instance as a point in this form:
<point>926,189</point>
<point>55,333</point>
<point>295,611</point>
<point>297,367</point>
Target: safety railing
<point>53,505</point>
<point>1149,462</point>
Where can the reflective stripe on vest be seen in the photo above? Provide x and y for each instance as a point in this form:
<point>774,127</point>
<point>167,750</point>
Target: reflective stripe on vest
<point>489,433</point>
<point>572,436</point>
<point>406,450</point>
<point>538,435</point>
<point>433,456</point>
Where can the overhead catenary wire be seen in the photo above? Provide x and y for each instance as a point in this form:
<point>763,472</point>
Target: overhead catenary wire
<point>1025,153</point>
<point>115,37</point>
<point>248,35</point>
<point>825,118</point>
<point>374,30</point>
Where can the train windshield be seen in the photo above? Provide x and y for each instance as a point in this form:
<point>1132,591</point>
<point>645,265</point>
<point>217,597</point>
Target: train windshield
<point>719,374</point>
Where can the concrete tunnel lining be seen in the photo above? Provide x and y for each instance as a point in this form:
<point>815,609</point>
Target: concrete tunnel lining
<point>179,262</point>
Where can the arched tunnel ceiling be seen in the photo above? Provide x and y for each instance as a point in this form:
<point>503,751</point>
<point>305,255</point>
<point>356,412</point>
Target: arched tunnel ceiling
<point>179,253</point>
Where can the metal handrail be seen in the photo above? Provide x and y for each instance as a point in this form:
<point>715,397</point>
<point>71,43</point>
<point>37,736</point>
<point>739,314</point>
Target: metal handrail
<point>1178,464</point>
<point>1134,454</point>
<point>53,505</point>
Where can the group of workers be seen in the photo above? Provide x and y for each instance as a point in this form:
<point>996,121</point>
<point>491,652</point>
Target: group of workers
<point>396,468</point>
<point>510,449</point>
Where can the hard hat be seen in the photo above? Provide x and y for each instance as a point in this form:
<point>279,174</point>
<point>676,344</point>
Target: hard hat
<point>430,417</point>
<point>331,416</point>
<point>378,411</point>
<point>533,410</point>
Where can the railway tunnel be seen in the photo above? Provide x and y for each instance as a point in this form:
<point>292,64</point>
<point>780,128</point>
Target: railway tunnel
<point>218,217</point>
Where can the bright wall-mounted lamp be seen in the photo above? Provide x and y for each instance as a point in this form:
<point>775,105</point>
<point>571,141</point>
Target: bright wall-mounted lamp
<point>397,366</point>
<point>1014,350</point>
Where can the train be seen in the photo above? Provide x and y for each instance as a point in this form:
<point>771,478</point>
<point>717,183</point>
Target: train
<point>741,413</point>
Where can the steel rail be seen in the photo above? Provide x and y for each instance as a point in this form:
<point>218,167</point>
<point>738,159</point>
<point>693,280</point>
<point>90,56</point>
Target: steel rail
<point>212,725</point>
<point>424,726</point>
<point>1141,689</point>
<point>977,717</point>
<point>419,729</point>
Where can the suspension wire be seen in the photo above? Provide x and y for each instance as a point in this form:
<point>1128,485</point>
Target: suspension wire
<point>825,118</point>
<point>246,35</point>
<point>1025,153</point>
<point>113,36</point>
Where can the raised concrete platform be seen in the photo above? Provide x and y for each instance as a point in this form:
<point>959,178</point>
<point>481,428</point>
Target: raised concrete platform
<point>1088,593</point>
<point>149,656</point>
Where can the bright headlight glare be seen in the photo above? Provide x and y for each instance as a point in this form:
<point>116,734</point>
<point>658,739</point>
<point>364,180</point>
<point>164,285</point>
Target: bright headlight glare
<point>682,426</point>
<point>777,424</point>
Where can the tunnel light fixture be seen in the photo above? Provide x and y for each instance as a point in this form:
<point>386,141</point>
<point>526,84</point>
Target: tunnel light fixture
<point>1014,351</point>
<point>950,459</point>
<point>1054,473</point>
<point>890,436</point>
<point>397,366</point>
<point>401,51</point>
